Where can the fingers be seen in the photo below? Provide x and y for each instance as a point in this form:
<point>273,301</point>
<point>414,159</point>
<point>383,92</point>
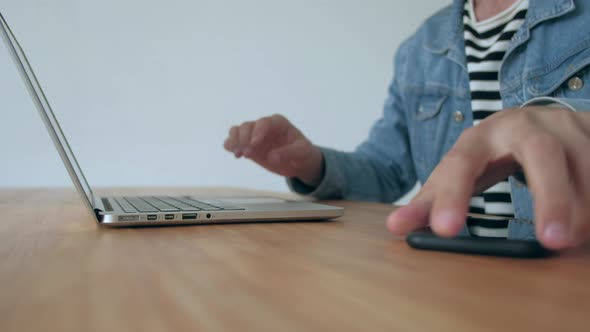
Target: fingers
<point>444,199</point>
<point>232,139</point>
<point>239,138</point>
<point>452,183</point>
<point>264,126</point>
<point>544,161</point>
<point>576,142</point>
<point>455,179</point>
<point>580,216</point>
<point>245,139</point>
<point>411,217</point>
<point>533,141</point>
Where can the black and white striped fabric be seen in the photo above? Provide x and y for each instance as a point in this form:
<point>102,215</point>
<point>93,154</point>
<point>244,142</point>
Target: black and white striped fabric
<point>486,42</point>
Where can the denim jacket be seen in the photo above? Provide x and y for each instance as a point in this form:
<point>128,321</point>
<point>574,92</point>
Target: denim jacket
<point>429,105</point>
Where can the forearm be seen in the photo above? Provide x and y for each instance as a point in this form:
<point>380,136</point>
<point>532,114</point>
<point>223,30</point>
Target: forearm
<point>357,176</point>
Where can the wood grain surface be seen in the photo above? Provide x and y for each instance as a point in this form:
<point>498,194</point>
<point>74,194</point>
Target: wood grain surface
<point>59,271</point>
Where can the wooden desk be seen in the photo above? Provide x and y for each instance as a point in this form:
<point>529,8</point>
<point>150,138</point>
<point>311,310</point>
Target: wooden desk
<point>59,271</point>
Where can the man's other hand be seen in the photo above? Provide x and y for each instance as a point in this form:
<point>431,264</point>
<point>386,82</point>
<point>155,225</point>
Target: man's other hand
<point>277,145</point>
<point>551,146</point>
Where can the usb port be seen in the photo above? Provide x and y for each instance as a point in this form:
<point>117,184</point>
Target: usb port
<point>152,216</point>
<point>169,217</point>
<point>187,216</point>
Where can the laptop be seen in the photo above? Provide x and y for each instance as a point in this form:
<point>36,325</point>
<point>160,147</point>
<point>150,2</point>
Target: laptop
<point>156,209</point>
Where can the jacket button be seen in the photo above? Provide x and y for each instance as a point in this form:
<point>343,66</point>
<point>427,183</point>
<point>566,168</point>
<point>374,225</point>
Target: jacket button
<point>458,116</point>
<point>575,83</point>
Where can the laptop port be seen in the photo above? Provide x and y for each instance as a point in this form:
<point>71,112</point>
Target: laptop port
<point>169,217</point>
<point>128,218</point>
<point>189,216</point>
<point>152,217</point>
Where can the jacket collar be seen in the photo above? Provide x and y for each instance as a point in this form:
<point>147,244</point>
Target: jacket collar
<point>440,38</point>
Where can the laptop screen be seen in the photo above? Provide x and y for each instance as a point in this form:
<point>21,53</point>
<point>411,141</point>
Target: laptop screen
<point>38,96</point>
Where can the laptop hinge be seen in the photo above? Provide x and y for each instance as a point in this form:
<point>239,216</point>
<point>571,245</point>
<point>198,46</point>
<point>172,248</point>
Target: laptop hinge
<point>99,215</point>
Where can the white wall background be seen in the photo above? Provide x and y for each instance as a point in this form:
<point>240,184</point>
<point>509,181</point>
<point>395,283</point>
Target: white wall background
<point>128,78</point>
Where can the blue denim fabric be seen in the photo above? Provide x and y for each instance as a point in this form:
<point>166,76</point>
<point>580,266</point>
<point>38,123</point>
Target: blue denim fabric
<point>431,87</point>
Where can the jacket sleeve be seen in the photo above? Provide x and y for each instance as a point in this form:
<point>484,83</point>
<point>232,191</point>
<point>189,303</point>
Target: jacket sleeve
<point>381,169</point>
<point>574,104</point>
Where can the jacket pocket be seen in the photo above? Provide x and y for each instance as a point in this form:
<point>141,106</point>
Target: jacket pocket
<point>430,106</point>
<point>430,125</point>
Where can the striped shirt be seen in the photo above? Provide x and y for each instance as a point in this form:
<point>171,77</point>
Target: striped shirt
<point>486,42</point>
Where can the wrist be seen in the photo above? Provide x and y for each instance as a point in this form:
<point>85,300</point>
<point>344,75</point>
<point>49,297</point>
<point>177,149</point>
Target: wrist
<point>314,171</point>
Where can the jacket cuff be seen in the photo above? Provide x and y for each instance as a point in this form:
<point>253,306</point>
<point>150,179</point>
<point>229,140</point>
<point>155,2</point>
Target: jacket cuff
<point>572,104</point>
<point>329,186</point>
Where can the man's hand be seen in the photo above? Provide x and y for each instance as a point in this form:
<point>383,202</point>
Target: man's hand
<point>551,146</point>
<point>275,144</point>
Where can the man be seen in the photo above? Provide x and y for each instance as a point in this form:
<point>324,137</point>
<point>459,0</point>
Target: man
<point>485,91</point>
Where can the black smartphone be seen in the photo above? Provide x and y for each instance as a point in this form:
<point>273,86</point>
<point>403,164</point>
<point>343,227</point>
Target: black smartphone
<point>425,239</point>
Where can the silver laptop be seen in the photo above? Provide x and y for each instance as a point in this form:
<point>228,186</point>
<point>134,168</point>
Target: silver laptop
<point>156,209</point>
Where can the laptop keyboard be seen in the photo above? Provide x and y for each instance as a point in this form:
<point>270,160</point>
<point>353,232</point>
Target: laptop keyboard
<point>148,204</point>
